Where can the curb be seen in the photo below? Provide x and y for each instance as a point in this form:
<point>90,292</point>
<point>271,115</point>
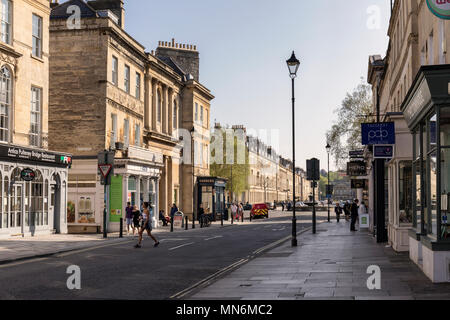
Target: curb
<point>54,253</point>
<point>221,273</point>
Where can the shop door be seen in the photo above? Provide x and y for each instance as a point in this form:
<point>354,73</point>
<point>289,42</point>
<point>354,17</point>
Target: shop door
<point>17,208</point>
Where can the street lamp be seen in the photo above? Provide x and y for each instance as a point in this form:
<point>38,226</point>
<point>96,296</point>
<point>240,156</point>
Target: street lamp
<point>328,189</point>
<point>293,64</point>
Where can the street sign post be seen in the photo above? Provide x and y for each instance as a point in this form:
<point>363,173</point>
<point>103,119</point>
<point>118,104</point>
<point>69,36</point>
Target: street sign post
<point>106,170</point>
<point>313,174</point>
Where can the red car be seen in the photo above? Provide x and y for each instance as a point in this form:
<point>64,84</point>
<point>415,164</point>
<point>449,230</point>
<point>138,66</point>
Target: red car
<point>260,211</point>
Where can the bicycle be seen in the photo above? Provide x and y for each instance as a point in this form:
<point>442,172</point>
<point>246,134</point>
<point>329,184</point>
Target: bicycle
<point>205,221</point>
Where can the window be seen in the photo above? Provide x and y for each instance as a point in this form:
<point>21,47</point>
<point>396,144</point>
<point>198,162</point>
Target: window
<point>37,36</point>
<point>113,130</point>
<point>137,135</point>
<point>5,103</point>
<point>201,114</point>
<point>127,79</point>
<point>126,132</point>
<point>35,128</point>
<point>175,113</point>
<point>138,85</point>
<point>114,77</point>
<point>158,98</point>
<point>196,112</point>
<point>5,31</point>
<point>405,191</point>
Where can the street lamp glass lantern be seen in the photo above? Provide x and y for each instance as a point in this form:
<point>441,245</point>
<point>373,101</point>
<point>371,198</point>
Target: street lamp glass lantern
<point>328,147</point>
<point>293,65</point>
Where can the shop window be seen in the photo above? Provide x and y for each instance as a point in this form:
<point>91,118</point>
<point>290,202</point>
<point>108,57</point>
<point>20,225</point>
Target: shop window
<point>37,200</point>
<point>85,210</point>
<point>405,192</point>
<point>207,201</point>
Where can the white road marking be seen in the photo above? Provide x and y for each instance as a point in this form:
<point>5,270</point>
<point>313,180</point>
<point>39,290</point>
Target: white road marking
<point>183,245</point>
<point>216,237</point>
<point>163,240</point>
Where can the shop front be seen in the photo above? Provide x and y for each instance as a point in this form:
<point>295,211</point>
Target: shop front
<point>211,194</point>
<point>398,185</point>
<point>427,112</point>
<point>136,180</point>
<point>33,191</point>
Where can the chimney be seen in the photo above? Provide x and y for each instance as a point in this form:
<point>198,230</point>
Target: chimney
<point>115,6</point>
<point>185,56</point>
<point>54,3</point>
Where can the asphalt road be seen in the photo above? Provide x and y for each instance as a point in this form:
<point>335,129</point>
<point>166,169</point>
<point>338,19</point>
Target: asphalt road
<point>120,271</point>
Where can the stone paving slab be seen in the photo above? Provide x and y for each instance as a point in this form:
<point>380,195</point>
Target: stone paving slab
<point>331,265</point>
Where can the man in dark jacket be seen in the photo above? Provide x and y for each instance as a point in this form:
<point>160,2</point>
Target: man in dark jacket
<point>354,214</point>
<point>173,210</point>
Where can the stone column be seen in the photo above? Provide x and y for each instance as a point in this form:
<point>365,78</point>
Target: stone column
<point>138,191</point>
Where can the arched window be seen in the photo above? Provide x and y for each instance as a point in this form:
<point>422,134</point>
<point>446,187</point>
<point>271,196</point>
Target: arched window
<point>159,103</point>
<point>5,102</point>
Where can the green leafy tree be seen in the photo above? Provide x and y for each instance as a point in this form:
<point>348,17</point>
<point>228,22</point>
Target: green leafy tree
<point>345,133</point>
<point>236,173</point>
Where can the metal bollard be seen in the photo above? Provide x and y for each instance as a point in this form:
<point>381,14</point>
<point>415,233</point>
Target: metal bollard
<point>242,216</point>
<point>221,219</point>
<point>186,224</point>
<point>171,224</point>
<point>121,228</point>
<point>232,219</point>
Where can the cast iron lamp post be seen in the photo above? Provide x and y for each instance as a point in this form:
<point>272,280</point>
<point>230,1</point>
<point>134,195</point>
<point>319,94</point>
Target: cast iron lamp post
<point>293,65</point>
<point>328,188</point>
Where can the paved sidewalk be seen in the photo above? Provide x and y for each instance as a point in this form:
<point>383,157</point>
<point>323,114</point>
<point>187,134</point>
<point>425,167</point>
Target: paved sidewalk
<point>329,265</point>
<point>18,248</point>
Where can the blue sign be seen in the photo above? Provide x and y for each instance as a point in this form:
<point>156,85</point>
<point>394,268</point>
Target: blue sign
<point>383,152</point>
<point>378,133</point>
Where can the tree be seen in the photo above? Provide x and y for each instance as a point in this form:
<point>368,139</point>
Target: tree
<point>345,133</point>
<point>236,173</point>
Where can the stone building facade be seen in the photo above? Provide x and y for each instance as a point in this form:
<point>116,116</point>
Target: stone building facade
<point>124,99</point>
<point>419,41</point>
<point>33,179</point>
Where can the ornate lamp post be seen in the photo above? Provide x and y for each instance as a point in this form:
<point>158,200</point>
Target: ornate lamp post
<point>328,189</point>
<point>293,64</point>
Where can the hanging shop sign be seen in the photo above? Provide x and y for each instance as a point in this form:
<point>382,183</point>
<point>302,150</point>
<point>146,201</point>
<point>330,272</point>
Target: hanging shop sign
<point>358,184</point>
<point>356,169</point>
<point>27,174</point>
<point>383,152</point>
<point>440,8</point>
<point>378,133</point>
<point>356,154</point>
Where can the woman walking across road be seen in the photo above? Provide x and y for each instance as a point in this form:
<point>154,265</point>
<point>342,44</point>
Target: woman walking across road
<point>146,225</point>
<point>136,215</point>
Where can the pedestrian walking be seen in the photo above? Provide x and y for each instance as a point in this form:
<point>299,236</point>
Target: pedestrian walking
<point>136,217</point>
<point>347,211</point>
<point>338,211</point>
<point>234,210</point>
<point>240,211</point>
<point>354,214</point>
<point>129,217</point>
<point>282,206</point>
<point>173,210</point>
<point>201,214</point>
<point>146,225</point>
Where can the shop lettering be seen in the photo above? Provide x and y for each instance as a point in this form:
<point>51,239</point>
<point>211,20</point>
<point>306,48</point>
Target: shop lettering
<point>442,1</point>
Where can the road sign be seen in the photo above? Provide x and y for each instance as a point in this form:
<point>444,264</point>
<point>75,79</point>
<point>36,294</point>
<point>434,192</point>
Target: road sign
<point>105,169</point>
<point>378,133</point>
<point>313,170</point>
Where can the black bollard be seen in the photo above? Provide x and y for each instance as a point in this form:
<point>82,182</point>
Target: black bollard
<point>221,219</point>
<point>186,224</point>
<point>232,219</point>
<point>171,224</point>
<point>121,228</point>
<point>242,216</point>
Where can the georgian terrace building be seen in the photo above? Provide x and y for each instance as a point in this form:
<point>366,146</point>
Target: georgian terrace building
<point>413,85</point>
<point>108,93</point>
<point>33,188</point>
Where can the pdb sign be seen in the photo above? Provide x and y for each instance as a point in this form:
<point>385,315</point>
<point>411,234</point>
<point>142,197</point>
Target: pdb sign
<point>378,133</point>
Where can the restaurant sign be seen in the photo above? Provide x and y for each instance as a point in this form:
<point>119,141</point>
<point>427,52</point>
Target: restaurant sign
<point>38,156</point>
<point>440,8</point>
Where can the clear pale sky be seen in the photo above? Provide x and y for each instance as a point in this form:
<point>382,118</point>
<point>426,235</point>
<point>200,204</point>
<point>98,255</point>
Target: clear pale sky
<point>243,47</point>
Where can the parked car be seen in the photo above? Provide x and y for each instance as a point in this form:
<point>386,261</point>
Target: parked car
<point>247,206</point>
<point>271,205</point>
<point>300,204</point>
<point>259,211</point>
